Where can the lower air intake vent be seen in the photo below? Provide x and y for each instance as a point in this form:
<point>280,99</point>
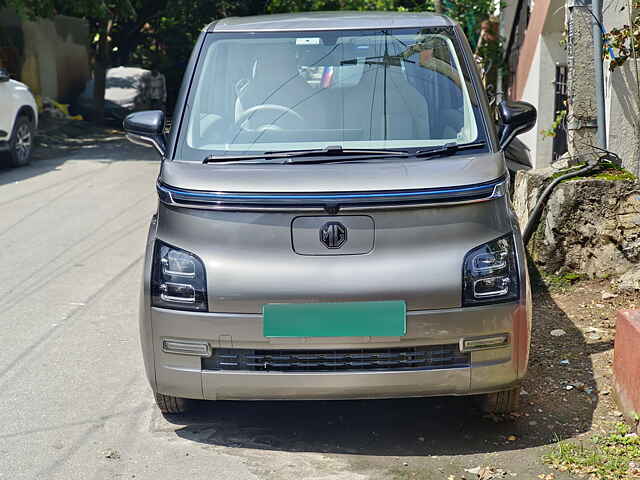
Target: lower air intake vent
<point>382,359</point>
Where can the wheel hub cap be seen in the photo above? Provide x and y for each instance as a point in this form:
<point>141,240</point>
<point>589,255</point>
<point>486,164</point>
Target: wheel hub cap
<point>23,142</point>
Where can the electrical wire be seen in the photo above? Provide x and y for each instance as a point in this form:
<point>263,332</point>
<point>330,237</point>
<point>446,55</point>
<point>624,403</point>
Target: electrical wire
<point>602,29</point>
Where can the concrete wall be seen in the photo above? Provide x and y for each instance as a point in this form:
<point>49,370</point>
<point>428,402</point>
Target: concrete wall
<point>622,97</point>
<point>539,91</point>
<point>531,93</point>
<point>541,52</point>
<point>49,55</point>
<point>552,53</point>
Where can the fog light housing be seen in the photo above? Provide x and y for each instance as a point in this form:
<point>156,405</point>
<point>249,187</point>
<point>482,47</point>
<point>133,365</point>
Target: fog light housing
<point>186,347</point>
<point>483,343</point>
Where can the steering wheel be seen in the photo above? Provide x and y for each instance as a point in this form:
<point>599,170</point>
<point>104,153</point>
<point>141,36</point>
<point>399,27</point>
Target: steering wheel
<point>278,108</point>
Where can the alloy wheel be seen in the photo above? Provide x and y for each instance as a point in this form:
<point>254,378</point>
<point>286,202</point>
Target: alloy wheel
<point>23,142</point>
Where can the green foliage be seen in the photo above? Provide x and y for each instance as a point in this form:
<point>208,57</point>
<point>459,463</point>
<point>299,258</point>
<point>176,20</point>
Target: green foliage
<point>606,170</point>
<point>555,126</point>
<point>90,9</point>
<point>165,39</point>
<point>610,457</point>
<point>285,6</point>
<point>27,8</point>
<point>468,13</point>
<point>559,173</point>
<point>624,41</point>
<point>615,174</point>
<point>561,282</point>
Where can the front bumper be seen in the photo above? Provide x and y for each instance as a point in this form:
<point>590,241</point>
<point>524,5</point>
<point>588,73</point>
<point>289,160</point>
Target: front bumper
<point>185,376</point>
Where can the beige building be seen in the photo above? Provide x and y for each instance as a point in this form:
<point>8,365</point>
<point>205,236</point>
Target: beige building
<point>49,55</point>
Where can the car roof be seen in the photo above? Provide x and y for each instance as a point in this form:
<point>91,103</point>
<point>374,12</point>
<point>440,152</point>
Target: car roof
<point>342,20</point>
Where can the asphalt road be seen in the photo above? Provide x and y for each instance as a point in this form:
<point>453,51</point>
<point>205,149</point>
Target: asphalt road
<point>74,401</point>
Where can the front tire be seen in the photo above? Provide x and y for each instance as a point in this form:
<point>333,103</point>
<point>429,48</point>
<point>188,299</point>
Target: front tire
<point>21,142</point>
<point>172,405</point>
<point>501,403</point>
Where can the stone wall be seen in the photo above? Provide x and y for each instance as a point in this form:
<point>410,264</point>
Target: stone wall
<point>49,55</point>
<point>589,226</point>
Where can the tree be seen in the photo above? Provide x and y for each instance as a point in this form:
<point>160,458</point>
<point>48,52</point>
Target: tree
<point>101,15</point>
<point>468,13</point>
<point>166,40</point>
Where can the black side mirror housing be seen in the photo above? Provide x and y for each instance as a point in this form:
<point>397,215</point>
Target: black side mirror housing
<point>4,75</point>
<point>515,118</point>
<point>147,129</point>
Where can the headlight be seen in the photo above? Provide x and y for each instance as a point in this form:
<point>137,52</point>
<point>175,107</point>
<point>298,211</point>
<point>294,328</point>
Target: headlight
<point>490,273</point>
<point>178,279</point>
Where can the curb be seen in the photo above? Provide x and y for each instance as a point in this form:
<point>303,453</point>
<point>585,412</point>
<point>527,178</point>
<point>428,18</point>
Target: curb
<point>626,362</point>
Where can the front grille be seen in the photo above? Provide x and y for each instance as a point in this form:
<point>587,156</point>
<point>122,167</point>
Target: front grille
<point>379,359</point>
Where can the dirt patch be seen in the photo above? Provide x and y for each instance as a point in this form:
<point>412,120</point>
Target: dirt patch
<point>572,354</point>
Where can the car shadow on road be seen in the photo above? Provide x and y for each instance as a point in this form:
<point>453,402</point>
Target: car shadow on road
<point>419,426</point>
<point>59,142</point>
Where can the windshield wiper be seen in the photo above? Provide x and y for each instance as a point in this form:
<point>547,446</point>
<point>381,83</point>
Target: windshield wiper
<point>388,60</point>
<point>448,149</point>
<point>338,154</point>
<point>332,153</point>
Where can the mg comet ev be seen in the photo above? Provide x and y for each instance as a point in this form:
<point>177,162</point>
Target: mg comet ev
<point>333,218</point>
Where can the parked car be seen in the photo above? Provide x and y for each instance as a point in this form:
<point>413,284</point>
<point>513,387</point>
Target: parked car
<point>123,94</point>
<point>18,121</point>
<point>333,220</point>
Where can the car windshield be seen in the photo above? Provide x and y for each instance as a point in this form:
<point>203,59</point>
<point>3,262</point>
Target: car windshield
<point>356,89</point>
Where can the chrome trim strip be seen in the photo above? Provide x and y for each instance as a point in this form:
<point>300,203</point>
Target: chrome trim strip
<point>146,141</point>
<point>376,26</point>
<point>506,342</point>
<point>310,202</point>
<point>196,343</point>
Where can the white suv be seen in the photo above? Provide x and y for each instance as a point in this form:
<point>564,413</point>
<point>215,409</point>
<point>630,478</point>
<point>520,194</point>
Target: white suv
<point>18,121</point>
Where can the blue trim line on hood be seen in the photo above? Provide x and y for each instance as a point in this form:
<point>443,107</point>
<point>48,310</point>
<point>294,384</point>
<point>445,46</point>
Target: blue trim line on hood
<point>221,196</point>
<point>333,201</point>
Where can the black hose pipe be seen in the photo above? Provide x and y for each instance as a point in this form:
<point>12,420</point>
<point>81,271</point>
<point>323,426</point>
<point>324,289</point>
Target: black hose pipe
<point>532,224</point>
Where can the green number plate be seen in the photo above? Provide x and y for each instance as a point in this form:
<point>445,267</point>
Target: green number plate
<point>346,319</point>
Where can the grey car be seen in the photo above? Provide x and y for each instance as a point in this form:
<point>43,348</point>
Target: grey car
<point>333,218</point>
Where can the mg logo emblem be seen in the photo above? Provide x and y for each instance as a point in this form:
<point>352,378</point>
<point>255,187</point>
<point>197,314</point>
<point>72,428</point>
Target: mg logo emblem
<point>333,234</point>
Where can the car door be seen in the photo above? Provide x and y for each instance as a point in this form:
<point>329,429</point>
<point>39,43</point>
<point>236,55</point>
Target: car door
<point>8,110</point>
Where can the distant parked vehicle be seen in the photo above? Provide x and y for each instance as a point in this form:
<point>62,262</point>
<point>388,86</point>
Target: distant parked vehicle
<point>18,121</point>
<point>123,94</point>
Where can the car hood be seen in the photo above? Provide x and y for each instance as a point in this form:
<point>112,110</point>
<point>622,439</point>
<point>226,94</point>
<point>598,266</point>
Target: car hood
<point>121,96</point>
<point>17,84</point>
<point>391,174</point>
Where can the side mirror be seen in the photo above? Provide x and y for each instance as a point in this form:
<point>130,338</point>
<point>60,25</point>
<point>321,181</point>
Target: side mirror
<point>4,75</point>
<point>515,118</point>
<point>147,129</point>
